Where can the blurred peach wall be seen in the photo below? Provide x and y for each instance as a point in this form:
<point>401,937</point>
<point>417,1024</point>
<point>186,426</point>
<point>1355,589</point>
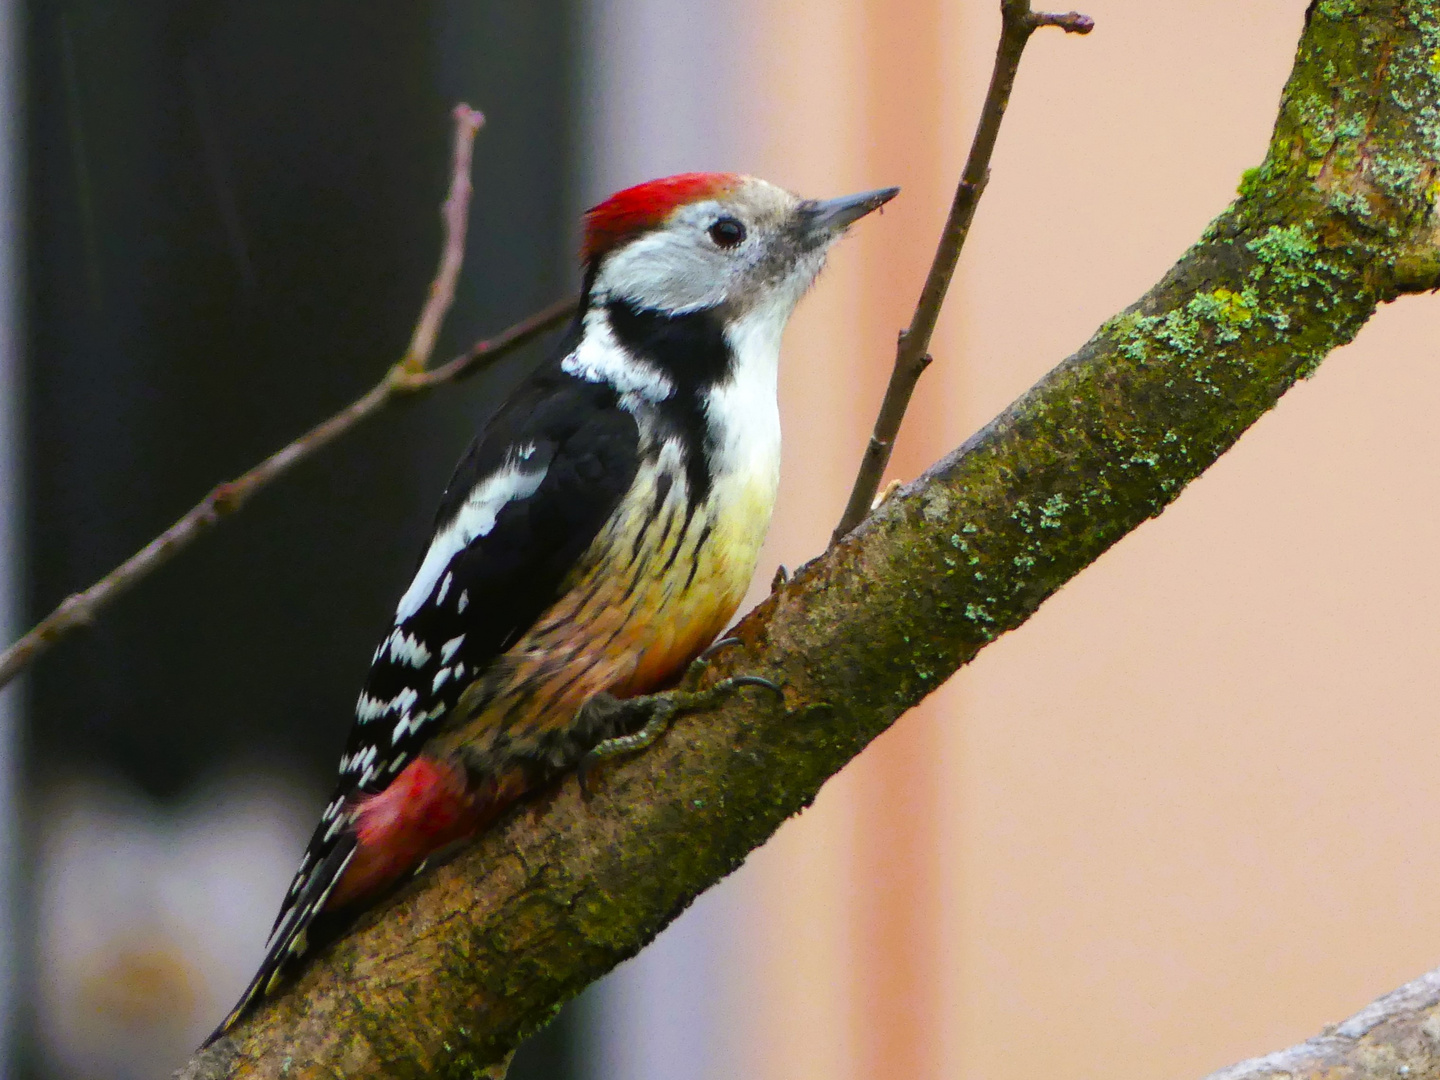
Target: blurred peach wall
<point>1179,818</point>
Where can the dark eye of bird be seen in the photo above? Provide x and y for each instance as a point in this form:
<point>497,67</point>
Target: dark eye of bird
<point>727,232</point>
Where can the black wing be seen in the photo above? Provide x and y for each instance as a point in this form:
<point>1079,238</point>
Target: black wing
<point>524,504</point>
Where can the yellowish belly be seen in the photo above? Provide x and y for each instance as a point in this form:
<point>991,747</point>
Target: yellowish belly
<point>651,593</point>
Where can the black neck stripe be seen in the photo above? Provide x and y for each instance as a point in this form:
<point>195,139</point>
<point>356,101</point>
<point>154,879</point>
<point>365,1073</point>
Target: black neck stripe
<point>692,351</point>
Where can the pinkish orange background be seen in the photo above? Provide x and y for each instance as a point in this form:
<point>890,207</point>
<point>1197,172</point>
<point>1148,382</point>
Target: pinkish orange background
<point>1185,815</point>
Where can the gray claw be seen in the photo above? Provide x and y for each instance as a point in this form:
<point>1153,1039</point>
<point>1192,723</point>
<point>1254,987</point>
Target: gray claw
<point>737,681</point>
<point>717,647</point>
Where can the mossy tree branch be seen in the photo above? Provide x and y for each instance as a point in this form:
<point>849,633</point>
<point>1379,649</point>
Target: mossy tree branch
<point>1397,1035</point>
<point>1341,216</point>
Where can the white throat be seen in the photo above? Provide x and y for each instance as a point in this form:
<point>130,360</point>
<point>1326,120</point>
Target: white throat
<point>743,411</point>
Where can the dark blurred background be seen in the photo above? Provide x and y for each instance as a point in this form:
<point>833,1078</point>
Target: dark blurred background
<point>233,219</point>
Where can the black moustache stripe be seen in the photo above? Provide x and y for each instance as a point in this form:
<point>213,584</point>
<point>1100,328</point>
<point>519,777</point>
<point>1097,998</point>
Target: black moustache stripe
<point>692,351</point>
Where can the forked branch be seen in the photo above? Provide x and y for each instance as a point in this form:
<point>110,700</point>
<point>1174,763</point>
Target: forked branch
<point>455,214</point>
<point>912,352</point>
<point>408,378</point>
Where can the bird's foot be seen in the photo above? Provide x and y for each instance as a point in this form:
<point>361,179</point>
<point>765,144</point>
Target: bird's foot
<point>658,712</point>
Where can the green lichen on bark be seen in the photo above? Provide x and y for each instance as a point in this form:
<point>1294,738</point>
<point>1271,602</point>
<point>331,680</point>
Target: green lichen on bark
<point>1339,217</point>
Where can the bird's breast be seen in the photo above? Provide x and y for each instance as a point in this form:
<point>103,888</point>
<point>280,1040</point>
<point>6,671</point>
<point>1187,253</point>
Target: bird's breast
<point>701,559</point>
<point>660,581</point>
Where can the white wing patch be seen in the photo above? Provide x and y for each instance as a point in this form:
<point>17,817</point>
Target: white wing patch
<point>401,729</point>
<point>448,650</point>
<point>475,519</point>
<point>405,649</point>
<point>362,759</point>
<point>369,708</point>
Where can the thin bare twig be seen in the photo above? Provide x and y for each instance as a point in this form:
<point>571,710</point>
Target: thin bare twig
<point>455,214</point>
<point>912,355</point>
<point>410,377</point>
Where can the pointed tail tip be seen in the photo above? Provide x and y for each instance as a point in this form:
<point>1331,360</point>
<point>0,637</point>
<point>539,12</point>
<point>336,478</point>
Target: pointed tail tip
<point>233,1018</point>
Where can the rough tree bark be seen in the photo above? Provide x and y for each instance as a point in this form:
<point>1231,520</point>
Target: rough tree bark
<point>1341,216</point>
<point>1397,1036</point>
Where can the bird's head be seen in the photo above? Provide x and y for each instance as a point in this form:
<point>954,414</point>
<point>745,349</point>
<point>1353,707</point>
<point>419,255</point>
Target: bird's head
<point>720,242</point>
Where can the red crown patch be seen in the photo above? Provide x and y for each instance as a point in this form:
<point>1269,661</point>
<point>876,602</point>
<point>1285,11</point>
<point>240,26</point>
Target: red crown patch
<point>642,207</point>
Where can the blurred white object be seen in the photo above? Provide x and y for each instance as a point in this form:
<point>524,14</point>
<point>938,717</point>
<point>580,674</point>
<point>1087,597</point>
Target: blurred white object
<point>151,919</point>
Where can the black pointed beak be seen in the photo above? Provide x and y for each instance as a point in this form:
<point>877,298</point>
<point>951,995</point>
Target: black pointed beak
<point>829,216</point>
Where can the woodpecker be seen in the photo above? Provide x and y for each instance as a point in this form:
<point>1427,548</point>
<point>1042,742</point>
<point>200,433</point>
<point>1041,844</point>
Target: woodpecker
<point>593,541</point>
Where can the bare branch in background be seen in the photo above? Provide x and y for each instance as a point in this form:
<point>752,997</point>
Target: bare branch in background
<point>410,377</point>
<point>455,215</point>
<point>1072,22</point>
<point>460,965</point>
<point>912,353</point>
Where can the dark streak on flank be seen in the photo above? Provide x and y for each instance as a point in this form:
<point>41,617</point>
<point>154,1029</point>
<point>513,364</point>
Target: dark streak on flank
<point>635,580</point>
<point>663,483</point>
<point>547,710</point>
<point>674,551</point>
<point>665,532</point>
<point>520,701</point>
<point>585,601</point>
<point>695,555</point>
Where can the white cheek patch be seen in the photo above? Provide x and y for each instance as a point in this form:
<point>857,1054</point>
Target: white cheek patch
<point>475,519</point>
<point>674,268</point>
